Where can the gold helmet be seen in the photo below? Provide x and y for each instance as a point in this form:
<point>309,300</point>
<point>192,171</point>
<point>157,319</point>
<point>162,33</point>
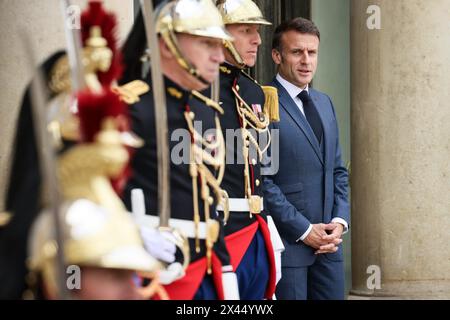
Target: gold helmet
<point>195,17</point>
<point>239,11</point>
<point>96,229</point>
<point>93,237</point>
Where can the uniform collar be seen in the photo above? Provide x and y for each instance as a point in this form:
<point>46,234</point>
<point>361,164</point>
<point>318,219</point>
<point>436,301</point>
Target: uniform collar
<point>229,69</point>
<point>172,89</point>
<point>175,91</point>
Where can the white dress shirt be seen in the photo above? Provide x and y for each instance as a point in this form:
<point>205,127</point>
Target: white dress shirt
<point>293,91</point>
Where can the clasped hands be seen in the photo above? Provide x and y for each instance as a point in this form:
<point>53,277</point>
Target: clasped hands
<point>325,238</point>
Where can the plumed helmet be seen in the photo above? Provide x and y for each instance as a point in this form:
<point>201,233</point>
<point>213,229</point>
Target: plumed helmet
<point>236,12</point>
<point>195,17</point>
<point>240,11</point>
<point>94,236</point>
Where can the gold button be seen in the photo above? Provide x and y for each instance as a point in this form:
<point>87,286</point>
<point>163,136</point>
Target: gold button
<point>237,87</point>
<point>253,162</point>
<point>191,115</point>
<point>257,182</point>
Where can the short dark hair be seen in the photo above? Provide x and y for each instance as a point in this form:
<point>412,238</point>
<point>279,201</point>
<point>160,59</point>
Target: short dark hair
<point>300,25</point>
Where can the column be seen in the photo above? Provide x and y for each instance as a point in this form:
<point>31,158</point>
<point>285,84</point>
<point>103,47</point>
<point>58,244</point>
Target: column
<point>400,153</point>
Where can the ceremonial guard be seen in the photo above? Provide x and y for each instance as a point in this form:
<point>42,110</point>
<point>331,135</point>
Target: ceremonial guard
<point>83,227</point>
<point>189,43</point>
<point>102,247</point>
<point>247,114</point>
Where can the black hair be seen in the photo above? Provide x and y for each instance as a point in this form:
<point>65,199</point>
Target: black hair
<point>300,25</point>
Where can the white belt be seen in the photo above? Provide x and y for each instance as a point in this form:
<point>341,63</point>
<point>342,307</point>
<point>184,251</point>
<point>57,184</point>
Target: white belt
<point>238,205</point>
<point>186,227</point>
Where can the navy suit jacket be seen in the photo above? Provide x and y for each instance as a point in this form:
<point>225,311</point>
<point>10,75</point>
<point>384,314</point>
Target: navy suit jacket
<point>311,185</point>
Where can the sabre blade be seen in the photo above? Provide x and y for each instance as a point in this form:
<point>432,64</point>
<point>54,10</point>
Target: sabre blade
<point>159,97</point>
<point>47,160</point>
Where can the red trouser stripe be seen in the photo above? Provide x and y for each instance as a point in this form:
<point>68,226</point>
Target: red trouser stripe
<point>237,243</point>
<point>186,287</point>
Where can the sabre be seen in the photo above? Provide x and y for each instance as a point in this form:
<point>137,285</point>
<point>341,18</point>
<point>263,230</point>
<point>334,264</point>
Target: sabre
<point>215,89</point>
<point>159,98</point>
<point>47,161</point>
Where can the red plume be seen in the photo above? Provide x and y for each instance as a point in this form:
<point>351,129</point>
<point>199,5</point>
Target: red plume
<point>95,15</point>
<point>94,108</point>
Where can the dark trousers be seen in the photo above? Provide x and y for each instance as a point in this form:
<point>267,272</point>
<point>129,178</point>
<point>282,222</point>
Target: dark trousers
<point>207,290</point>
<point>323,280</point>
<point>253,271</point>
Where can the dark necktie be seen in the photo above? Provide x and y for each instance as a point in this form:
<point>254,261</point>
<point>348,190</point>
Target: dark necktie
<point>311,114</point>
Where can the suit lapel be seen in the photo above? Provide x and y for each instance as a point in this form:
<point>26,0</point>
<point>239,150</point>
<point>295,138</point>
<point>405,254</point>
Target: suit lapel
<point>291,108</point>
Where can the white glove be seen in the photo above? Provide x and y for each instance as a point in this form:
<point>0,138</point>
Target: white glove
<point>158,244</point>
<point>230,284</point>
<point>277,245</point>
<point>277,256</point>
<point>172,273</point>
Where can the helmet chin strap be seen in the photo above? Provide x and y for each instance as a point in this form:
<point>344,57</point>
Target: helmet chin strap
<point>199,77</point>
<point>171,40</point>
<point>239,62</point>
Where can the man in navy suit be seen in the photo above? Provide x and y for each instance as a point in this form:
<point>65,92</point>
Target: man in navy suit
<point>308,196</point>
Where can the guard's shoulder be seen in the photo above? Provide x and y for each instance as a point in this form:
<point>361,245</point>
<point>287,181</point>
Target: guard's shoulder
<point>271,105</point>
<point>225,70</point>
<point>209,102</point>
<point>249,77</point>
<point>174,92</point>
<point>130,92</point>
